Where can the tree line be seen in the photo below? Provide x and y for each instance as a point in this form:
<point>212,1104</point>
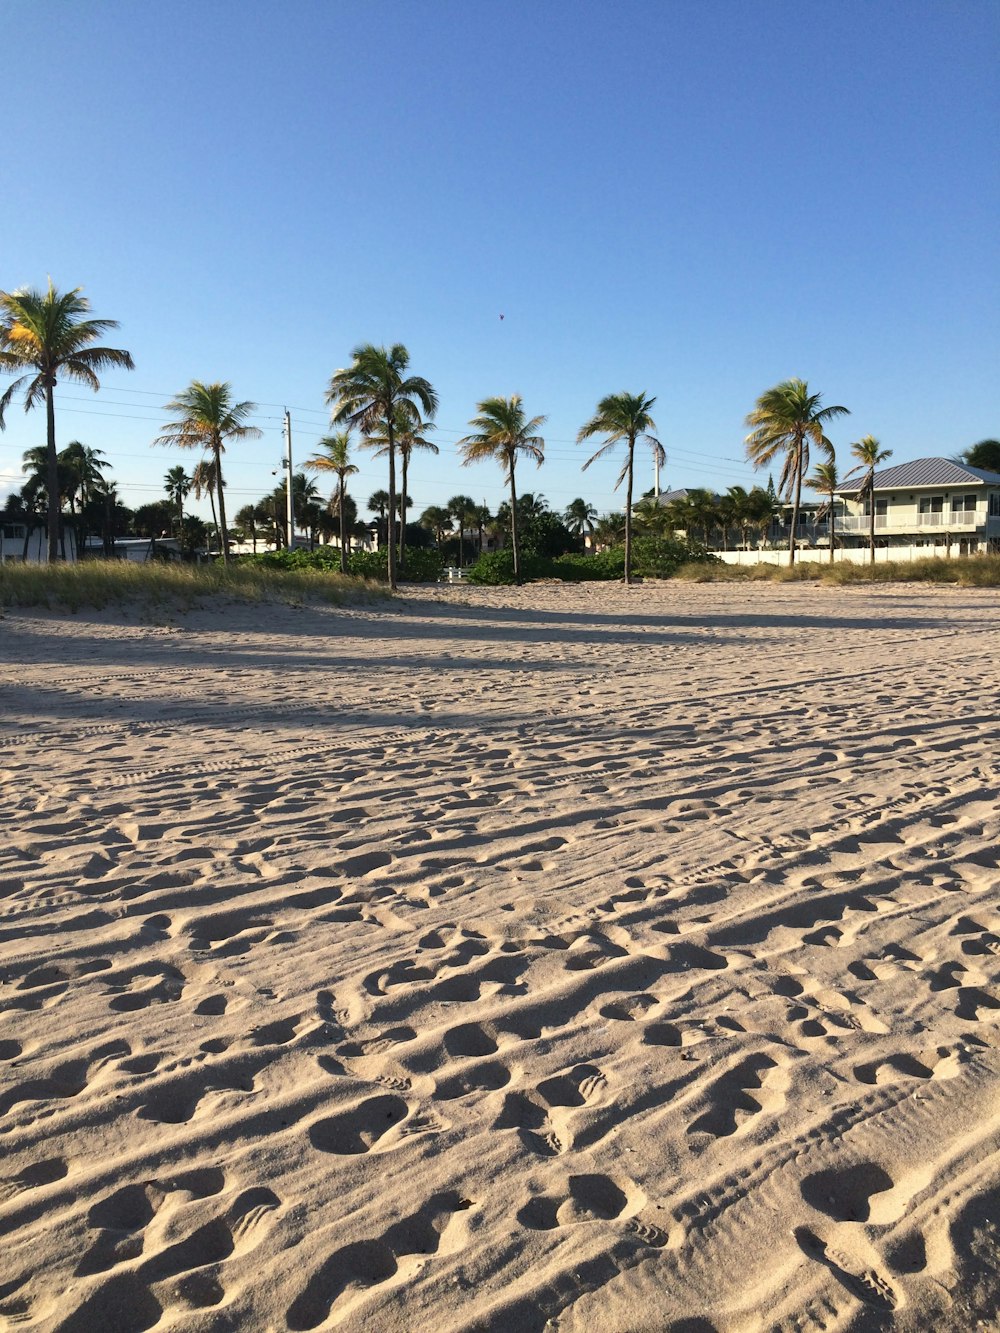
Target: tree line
<point>45,336</point>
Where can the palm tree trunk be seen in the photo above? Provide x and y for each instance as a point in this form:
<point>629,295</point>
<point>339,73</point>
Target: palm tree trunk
<point>513,525</point>
<point>215,521</point>
<point>343,528</point>
<point>52,471</point>
<point>871,502</point>
<point>223,534</point>
<point>392,501</point>
<point>402,508</point>
<point>833,527</point>
<point>628,515</point>
<point>797,503</point>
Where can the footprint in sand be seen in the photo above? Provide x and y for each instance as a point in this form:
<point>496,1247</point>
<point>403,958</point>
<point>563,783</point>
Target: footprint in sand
<point>360,1128</point>
<point>592,1198</point>
<point>368,1263</point>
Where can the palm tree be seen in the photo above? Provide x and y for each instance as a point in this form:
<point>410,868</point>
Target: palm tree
<point>502,433</point>
<point>246,520</point>
<point>408,430</point>
<point>336,459</point>
<point>870,455</point>
<point>305,493</point>
<point>436,519</point>
<point>208,417</point>
<point>84,467</point>
<point>378,503</point>
<point>609,530</point>
<point>739,507</point>
<point>482,517</point>
<point>624,417</point>
<point>367,394</point>
<point>700,511</point>
<point>984,455</point>
<point>825,480</point>
<point>786,420</point>
<point>462,508</point>
<point>579,518</point>
<point>203,482</point>
<point>47,334</point>
<point>762,506</point>
<point>177,485</point>
<point>650,517</point>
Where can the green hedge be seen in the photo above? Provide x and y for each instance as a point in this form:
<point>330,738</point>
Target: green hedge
<point>651,558</point>
<point>422,565</point>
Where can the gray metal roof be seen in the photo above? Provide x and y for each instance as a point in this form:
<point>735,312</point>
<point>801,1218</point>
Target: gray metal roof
<point>925,472</point>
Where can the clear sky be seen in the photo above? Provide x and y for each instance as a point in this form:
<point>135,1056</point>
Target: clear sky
<point>692,199</point>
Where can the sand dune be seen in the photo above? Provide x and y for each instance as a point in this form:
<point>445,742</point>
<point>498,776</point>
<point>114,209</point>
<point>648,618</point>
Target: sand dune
<point>550,958</point>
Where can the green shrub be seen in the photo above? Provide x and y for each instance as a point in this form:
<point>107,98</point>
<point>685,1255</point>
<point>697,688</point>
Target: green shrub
<point>368,564</point>
<point>421,564</point>
<point>661,557</point>
<point>498,567</point>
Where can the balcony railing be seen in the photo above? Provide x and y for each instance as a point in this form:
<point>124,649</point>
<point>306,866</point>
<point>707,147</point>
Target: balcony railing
<point>861,522</point>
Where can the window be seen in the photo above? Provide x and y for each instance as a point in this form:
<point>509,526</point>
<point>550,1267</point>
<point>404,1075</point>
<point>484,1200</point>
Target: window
<point>963,504</point>
<point>995,503</point>
<point>932,504</point>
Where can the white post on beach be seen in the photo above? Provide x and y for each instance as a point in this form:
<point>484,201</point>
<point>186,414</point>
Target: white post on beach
<point>289,507</point>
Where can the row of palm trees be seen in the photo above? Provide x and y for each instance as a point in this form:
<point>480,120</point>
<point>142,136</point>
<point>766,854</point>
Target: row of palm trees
<point>50,335</point>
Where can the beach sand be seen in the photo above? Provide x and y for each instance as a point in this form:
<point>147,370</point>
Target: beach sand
<point>563,957</point>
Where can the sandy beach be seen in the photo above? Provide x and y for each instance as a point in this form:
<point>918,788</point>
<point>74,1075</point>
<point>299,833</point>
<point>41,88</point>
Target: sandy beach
<point>572,958</point>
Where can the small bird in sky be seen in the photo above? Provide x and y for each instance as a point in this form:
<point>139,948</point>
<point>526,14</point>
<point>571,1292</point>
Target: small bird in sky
<point>501,316</point>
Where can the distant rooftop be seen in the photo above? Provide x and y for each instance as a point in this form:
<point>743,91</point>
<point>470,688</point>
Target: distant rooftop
<point>925,472</point>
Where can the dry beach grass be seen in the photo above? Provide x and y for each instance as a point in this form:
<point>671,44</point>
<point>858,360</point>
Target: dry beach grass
<point>569,957</point>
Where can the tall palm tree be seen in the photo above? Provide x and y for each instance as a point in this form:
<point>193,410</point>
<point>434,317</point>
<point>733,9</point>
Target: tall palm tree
<point>409,435</point>
<point>208,417</point>
<point>335,458</point>
<point>786,420</point>
<point>177,485</point>
<point>503,431</point>
<point>624,417</point>
<point>367,394</point>
<point>826,480</point>
<point>48,336</point>
<point>579,517</point>
<point>870,455</point>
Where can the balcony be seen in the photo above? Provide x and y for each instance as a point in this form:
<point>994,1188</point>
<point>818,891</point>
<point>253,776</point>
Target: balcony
<point>908,520</point>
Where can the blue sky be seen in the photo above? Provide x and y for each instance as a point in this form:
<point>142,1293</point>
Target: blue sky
<point>692,199</point>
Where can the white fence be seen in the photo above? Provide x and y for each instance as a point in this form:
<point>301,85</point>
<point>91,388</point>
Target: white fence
<point>857,556</point>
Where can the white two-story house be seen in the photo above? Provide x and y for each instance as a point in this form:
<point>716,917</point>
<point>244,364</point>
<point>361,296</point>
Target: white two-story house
<point>948,507</point>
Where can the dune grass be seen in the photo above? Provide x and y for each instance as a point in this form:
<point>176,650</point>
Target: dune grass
<point>977,571</point>
<point>99,584</point>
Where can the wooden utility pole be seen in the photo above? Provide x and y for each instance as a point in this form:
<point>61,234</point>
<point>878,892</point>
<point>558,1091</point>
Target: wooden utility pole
<point>289,504</point>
